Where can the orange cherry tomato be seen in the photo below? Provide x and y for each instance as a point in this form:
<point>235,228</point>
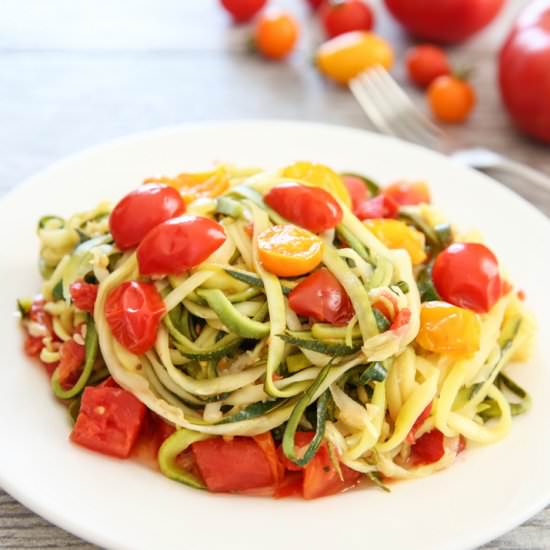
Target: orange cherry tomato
<point>276,34</point>
<point>451,99</point>
<point>407,193</point>
<point>397,234</point>
<point>445,328</point>
<point>425,63</point>
<point>289,251</point>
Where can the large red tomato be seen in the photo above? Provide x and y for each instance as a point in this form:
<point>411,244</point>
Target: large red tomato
<point>445,21</point>
<point>525,71</point>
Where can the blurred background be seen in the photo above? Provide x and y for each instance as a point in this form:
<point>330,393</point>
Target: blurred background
<point>74,73</point>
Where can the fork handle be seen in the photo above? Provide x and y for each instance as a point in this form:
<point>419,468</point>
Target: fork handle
<point>528,174</point>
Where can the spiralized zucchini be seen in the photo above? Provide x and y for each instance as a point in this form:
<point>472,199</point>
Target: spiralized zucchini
<point>232,359</point>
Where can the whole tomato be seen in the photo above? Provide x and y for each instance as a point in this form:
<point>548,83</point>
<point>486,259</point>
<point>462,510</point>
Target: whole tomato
<point>525,71</point>
<point>243,10</point>
<point>340,16</point>
<point>446,21</point>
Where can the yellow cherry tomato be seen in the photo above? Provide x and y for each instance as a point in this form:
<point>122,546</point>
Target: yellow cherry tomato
<point>344,57</point>
<point>197,185</point>
<point>320,176</point>
<point>397,234</point>
<point>448,329</point>
<point>289,251</point>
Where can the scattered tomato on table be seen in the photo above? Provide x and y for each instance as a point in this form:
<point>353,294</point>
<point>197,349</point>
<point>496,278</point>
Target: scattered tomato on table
<point>243,10</point>
<point>340,16</point>
<point>524,72</point>
<point>425,63</point>
<point>451,99</point>
<point>276,34</point>
<point>345,56</point>
<point>314,4</point>
<point>444,21</point>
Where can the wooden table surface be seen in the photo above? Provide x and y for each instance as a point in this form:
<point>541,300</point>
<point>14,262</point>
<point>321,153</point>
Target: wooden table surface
<point>77,73</point>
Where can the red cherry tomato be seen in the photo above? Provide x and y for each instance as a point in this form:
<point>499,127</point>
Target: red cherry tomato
<point>524,71</point>
<point>133,311</point>
<point>34,344</point>
<point>229,466</point>
<point>425,63</point>
<point>109,421</point>
<point>83,295</point>
<point>314,4</point>
<point>411,437</point>
<point>467,275</point>
<point>429,448</point>
<point>407,193</point>
<point>141,210</point>
<point>70,363</point>
<point>243,10</point>
<point>321,297</point>
<point>382,206</point>
<point>310,207</point>
<point>346,16</point>
<point>178,245</point>
<point>357,190</point>
<point>446,21</point>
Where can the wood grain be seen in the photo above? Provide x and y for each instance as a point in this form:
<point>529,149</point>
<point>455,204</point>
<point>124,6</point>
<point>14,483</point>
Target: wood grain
<point>73,74</point>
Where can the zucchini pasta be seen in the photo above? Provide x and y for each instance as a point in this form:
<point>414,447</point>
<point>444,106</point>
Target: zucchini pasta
<point>288,333</point>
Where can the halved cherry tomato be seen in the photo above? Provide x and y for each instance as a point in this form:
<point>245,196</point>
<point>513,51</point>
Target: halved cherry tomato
<point>382,206</point>
<point>320,296</point>
<point>178,245</point>
<point>229,466</point>
<point>346,16</point>
<point>408,192</point>
<point>71,361</point>
<point>357,190</point>
<point>83,295</point>
<point>467,275</point>
<point>290,486</point>
<point>397,234</point>
<point>133,311</point>
<point>311,207</point>
<point>445,328</point>
<point>425,63</point>
<point>142,210</point>
<point>411,436</point>
<point>289,251</point>
<point>266,443</point>
<point>109,421</point>
<point>276,34</point>
<point>320,176</point>
<point>402,318</point>
<point>429,448</point>
<point>34,344</point>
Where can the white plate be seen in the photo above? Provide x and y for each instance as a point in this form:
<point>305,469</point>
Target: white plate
<point>120,504</point>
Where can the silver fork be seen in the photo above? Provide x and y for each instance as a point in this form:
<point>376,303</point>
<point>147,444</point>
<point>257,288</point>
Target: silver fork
<point>392,112</point>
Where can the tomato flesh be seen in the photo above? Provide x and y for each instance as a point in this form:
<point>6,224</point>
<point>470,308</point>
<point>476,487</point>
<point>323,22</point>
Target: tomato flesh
<point>382,206</point>
<point>411,436</point>
<point>142,210</point>
<point>357,190</point>
<point>408,193</point>
<point>266,443</point>
<point>321,297</point>
<point>230,466</point>
<point>179,244</point>
<point>109,421</point>
<point>429,448</point>
<point>133,311</point>
<point>83,295</point>
<point>467,275</point>
<point>71,361</point>
<point>310,207</point>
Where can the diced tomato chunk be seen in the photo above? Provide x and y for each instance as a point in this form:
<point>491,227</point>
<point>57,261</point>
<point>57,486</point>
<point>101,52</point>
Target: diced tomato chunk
<point>154,431</point>
<point>109,421</point>
<point>33,345</point>
<point>429,448</point>
<point>70,364</point>
<point>381,206</point>
<point>83,295</point>
<point>231,466</point>
<point>301,442</point>
<point>290,486</point>
<point>266,443</point>
<point>408,192</point>
<point>411,437</point>
<point>401,319</point>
